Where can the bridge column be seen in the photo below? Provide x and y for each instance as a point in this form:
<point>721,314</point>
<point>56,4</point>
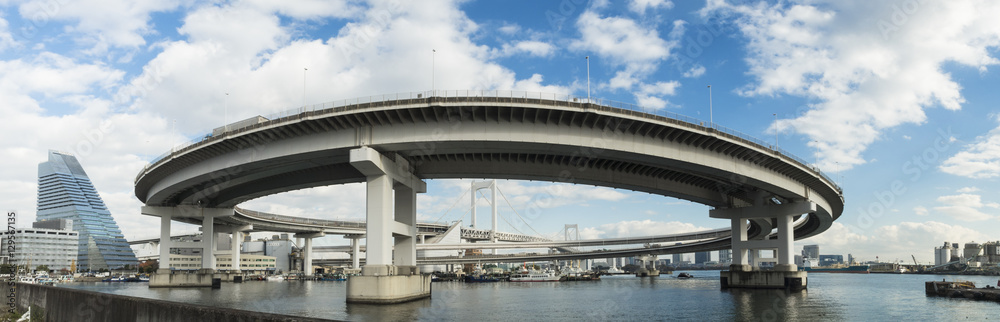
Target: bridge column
<point>785,273</point>
<point>164,245</point>
<point>355,250</point>
<point>307,260</point>
<point>382,281</point>
<point>203,278</point>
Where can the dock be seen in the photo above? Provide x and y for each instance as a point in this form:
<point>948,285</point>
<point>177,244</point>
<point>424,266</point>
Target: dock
<point>962,290</point>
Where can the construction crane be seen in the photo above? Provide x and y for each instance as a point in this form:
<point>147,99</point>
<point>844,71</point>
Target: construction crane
<point>914,260</point>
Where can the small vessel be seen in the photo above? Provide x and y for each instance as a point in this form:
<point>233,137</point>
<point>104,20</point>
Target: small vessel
<point>26,280</point>
<point>615,270</point>
<point>534,277</point>
<point>684,275</point>
<point>275,278</point>
<point>481,279</point>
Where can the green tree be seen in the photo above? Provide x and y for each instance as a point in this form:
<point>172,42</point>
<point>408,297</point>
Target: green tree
<point>42,268</point>
<point>6,269</point>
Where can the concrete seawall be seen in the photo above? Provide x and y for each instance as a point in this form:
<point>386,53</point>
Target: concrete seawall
<point>65,304</point>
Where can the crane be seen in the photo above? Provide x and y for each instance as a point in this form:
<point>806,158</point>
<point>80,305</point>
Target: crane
<point>914,260</point>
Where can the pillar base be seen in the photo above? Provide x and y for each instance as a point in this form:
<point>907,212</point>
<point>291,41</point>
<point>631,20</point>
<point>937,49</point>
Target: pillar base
<point>230,277</point>
<point>647,273</point>
<point>387,289</point>
<point>181,279</point>
<point>788,280</point>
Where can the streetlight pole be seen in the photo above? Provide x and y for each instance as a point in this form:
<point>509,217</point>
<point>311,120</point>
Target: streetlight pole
<point>304,86</point>
<point>227,112</point>
<point>433,67</point>
<point>711,122</point>
<point>588,78</point>
<point>775,131</point>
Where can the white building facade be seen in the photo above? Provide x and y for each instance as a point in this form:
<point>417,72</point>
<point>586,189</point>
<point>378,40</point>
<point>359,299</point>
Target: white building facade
<point>32,247</point>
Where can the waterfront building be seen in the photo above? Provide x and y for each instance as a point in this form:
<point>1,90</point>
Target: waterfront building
<point>677,259</point>
<point>248,263</point>
<point>65,192</point>
<point>281,248</point>
<point>725,256</point>
<point>701,257</point>
<point>55,248</point>
<point>828,260</point>
<point>942,254</point>
<point>810,251</point>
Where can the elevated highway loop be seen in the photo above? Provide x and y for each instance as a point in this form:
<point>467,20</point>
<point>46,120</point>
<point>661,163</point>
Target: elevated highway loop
<point>410,137</point>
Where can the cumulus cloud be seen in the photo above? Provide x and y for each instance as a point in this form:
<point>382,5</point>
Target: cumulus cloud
<point>897,241</point>
<point>637,49</point>
<point>964,207</point>
<point>978,160</point>
<point>920,211</point>
<point>865,71</point>
<point>640,6</point>
<point>637,228</point>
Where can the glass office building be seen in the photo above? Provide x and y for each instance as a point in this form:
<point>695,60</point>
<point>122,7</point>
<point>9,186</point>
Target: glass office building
<point>65,192</point>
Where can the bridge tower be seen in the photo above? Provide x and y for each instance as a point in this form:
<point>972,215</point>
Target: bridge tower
<point>492,185</point>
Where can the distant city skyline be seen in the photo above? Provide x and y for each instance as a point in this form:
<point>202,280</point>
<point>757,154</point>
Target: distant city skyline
<point>898,107</point>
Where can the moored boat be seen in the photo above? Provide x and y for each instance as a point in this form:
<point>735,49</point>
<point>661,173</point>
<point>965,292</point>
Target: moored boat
<point>534,277</point>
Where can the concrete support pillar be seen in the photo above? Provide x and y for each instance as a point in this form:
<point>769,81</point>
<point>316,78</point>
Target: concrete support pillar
<point>786,243</point>
<point>165,243</point>
<point>406,214</point>
<point>307,260</point>
<point>739,237</point>
<point>235,246</point>
<point>379,228</point>
<point>381,282</point>
<point>355,250</point>
<point>208,243</point>
<point>746,252</point>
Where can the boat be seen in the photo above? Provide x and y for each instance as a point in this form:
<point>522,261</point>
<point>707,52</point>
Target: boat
<point>534,277</point>
<point>275,278</point>
<point>615,270</point>
<point>26,280</point>
<point>853,269</point>
<point>684,275</point>
<point>481,279</point>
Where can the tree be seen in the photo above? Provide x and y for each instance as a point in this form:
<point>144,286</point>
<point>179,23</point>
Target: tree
<point>42,268</point>
<point>630,268</point>
<point>149,266</point>
<point>64,271</point>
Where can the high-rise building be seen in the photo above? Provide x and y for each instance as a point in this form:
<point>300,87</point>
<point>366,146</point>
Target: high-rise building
<point>725,256</point>
<point>65,192</point>
<point>677,259</point>
<point>810,251</point>
<point>702,257</point>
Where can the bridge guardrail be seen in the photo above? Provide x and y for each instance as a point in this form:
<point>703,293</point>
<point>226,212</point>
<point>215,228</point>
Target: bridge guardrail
<point>552,99</point>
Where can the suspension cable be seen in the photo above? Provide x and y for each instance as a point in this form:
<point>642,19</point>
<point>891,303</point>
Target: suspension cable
<point>453,206</point>
<point>518,215</point>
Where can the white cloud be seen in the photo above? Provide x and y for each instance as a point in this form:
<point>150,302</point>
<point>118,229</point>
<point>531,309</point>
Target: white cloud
<point>862,79</point>
<point>640,6</point>
<point>978,160</point>
<point>920,211</point>
<point>968,190</point>
<point>696,71</point>
<point>635,228</point>
<point>530,47</point>
<point>117,23</point>
<point>6,38</point>
<point>624,42</point>
<point>964,207</point>
<point>891,242</point>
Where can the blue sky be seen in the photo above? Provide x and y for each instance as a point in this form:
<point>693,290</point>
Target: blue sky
<point>897,100</point>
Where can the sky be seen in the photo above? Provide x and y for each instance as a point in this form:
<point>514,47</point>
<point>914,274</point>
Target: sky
<point>896,100</point>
